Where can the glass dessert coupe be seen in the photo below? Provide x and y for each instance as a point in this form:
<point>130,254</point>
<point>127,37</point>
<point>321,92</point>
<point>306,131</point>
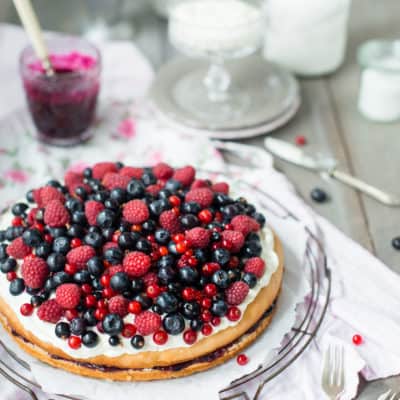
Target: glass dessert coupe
<point>219,31</point>
<point>62,106</point>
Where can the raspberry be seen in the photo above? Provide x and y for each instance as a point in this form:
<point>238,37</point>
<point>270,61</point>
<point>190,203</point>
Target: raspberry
<point>170,221</point>
<point>184,175</point>
<point>35,272</point>
<point>101,168</point>
<point>136,211</point>
<point>71,178</point>
<point>55,214</point>
<point>118,305</point>
<point>115,269</point>
<point>236,239</point>
<point>256,266</point>
<point>18,249</point>
<point>46,194</point>
<point>198,237</point>
<point>202,196</point>
<point>236,293</point>
<point>68,295</point>
<point>32,215</point>
<point>220,187</point>
<point>162,171</point>
<point>50,311</point>
<point>199,183</point>
<point>150,279</point>
<point>153,189</point>
<point>147,323</point>
<point>80,256</point>
<point>112,180</point>
<point>92,208</point>
<point>136,264</point>
<point>245,224</point>
<point>132,172</point>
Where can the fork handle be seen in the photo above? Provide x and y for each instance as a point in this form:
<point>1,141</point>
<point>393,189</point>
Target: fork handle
<point>373,192</point>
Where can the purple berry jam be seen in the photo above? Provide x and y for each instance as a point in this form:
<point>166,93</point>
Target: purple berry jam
<point>62,106</point>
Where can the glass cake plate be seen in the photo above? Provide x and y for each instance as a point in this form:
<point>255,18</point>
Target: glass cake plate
<point>300,310</point>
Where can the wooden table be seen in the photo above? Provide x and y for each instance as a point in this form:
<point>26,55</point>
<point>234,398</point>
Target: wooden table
<point>328,118</point>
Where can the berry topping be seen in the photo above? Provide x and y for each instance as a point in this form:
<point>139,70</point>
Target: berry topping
<point>80,256</point>
<point>136,211</point>
<point>169,220</point>
<point>202,196</point>
<point>147,323</point>
<point>198,237</point>
<point>118,305</point>
<point>18,249</point>
<point>236,293</point>
<point>256,266</point>
<point>233,240</point>
<point>68,295</point>
<point>50,311</point>
<point>35,272</point>
<point>245,224</point>
<point>184,175</point>
<point>55,214</point>
<point>136,264</point>
<point>92,209</point>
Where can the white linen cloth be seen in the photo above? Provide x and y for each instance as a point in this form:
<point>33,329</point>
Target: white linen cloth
<point>365,296</point>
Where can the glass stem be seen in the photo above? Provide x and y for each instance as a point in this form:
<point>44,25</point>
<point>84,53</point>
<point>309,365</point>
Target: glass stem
<point>217,81</point>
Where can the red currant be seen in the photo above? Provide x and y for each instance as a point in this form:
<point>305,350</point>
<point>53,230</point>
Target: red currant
<point>76,242</point>
<point>234,314</point>
<point>153,290</point>
<point>188,294</point>
<point>206,330</point>
<point>128,330</point>
<point>175,201</point>
<point>136,228</point>
<point>70,269</point>
<point>178,237</point>
<point>227,244</point>
<point>205,216</point>
<point>209,268</point>
<point>206,316</point>
<point>100,314</point>
<point>71,314</point>
<point>160,337</point>
<point>17,221</point>
<point>26,309</point>
<point>101,303</point>
<point>357,339</point>
<point>38,226</point>
<point>233,262</point>
<point>163,251</point>
<point>242,359</point>
<point>210,289</point>
<point>190,336</point>
<point>116,236</point>
<point>86,288</point>
<point>90,301</point>
<point>108,293</point>
<point>134,307</point>
<point>192,261</point>
<point>228,227</point>
<point>216,321</point>
<point>181,247</point>
<point>105,280</point>
<point>300,140</point>
<point>11,275</point>
<point>206,302</point>
<point>48,238</point>
<point>74,342</point>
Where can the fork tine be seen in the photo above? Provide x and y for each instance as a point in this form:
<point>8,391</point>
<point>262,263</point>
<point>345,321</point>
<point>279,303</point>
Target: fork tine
<point>326,367</point>
<point>342,377</point>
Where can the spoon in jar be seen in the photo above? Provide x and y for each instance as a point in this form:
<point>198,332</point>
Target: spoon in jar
<point>32,27</point>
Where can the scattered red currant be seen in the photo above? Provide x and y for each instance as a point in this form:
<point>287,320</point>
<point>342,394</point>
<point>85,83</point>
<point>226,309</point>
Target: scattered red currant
<point>300,140</point>
<point>134,307</point>
<point>90,301</point>
<point>205,216</point>
<point>160,337</point>
<point>105,280</point>
<point>26,309</point>
<point>74,342</point>
<point>357,339</point>
<point>76,242</point>
<point>153,290</point>
<point>216,321</point>
<point>100,314</point>
<point>242,359</point>
<point>175,201</point>
<point>17,221</point>
<point>70,269</point>
<point>234,314</point>
<point>210,289</point>
<point>206,330</point>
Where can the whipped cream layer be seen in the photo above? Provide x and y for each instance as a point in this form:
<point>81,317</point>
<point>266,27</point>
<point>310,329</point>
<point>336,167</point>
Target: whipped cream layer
<point>45,331</point>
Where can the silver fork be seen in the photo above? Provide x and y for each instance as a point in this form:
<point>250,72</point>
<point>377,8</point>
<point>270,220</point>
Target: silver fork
<point>390,395</point>
<point>333,371</point>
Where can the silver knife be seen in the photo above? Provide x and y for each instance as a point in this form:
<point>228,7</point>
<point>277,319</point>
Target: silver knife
<point>324,165</point>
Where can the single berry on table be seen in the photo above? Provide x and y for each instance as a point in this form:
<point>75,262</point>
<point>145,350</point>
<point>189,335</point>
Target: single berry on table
<point>242,359</point>
<point>396,243</point>
<point>300,140</point>
<point>357,339</point>
<point>319,195</point>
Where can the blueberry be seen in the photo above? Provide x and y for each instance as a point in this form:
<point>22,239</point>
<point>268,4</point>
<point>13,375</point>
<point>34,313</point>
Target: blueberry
<point>36,300</point>
<point>113,255</point>
<point>203,282</point>
<point>76,230</point>
<point>396,243</point>
<point>189,221</point>
<point>81,192</point>
<point>148,178</point>
<point>200,255</point>
<point>250,279</point>
<point>233,275</point>
<point>172,248</point>
<point>113,341</point>
<point>87,172</point>
<point>137,341</point>
<point>3,252</point>
<point>137,285</point>
<point>43,250</point>
<point>221,256</point>
<point>8,265</point>
<point>62,330</point>
<point>164,194</point>
<point>191,207</point>
<point>29,196</point>
<point>82,276</point>
<point>2,235</point>
<point>119,195</point>
<point>166,261</point>
<point>95,229</point>
<point>79,217</point>
<point>188,275</point>
<point>319,195</point>
<point>13,232</point>
<point>196,324</point>
<point>89,317</point>
<point>162,236</point>
<point>167,302</point>
<point>252,249</point>
<point>56,262</point>
<point>111,204</point>
<point>190,310</point>
<point>220,278</point>
<point>32,237</point>
<point>112,324</point>
<point>17,286</point>
<point>135,189</point>
<point>173,185</point>
<point>222,199</point>
<point>49,284</point>
<point>78,326</point>
<point>74,205</point>
<point>253,236</point>
<point>219,308</point>
<point>144,301</point>
<point>215,236</point>
<point>61,277</point>
<point>144,246</point>
<point>61,245</point>
<point>106,218</point>
<point>174,324</point>
<point>90,339</point>
<point>107,233</point>
<point>19,209</point>
<point>157,309</point>
<point>58,232</point>
<point>148,226</point>
<point>157,207</point>
<point>120,282</point>
<point>44,295</point>
<point>230,210</point>
<point>97,286</point>
<point>174,287</point>
<point>166,275</point>
<point>127,240</point>
<point>101,196</point>
<point>54,183</point>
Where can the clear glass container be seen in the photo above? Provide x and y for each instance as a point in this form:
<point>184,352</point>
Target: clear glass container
<point>379,96</point>
<point>63,106</point>
<point>218,31</point>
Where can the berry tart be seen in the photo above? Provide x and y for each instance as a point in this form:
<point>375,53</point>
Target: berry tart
<point>129,273</point>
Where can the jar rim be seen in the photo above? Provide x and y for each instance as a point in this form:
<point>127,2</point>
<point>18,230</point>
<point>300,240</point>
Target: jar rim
<point>371,54</point>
